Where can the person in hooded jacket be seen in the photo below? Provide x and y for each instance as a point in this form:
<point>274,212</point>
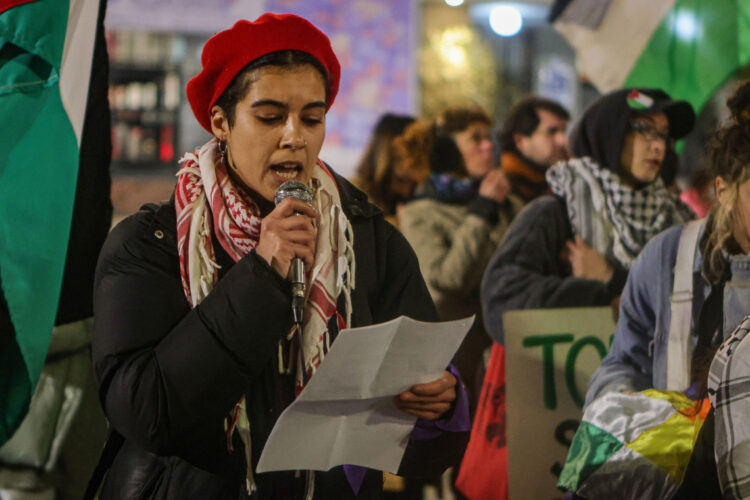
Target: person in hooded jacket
<point>195,347</point>
<point>574,248</point>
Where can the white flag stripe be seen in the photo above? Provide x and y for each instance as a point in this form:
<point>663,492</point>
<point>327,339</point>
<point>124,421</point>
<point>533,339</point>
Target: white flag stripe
<point>78,55</point>
<point>607,55</point>
<point>641,413</point>
<point>588,13</point>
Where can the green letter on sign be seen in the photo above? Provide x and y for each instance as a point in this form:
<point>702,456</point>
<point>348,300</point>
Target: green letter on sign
<point>548,362</point>
<point>570,364</point>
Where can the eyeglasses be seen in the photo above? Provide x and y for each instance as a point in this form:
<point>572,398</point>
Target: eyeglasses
<point>649,133</point>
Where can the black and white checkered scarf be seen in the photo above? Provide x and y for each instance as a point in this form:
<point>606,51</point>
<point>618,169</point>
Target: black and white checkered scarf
<point>608,215</point>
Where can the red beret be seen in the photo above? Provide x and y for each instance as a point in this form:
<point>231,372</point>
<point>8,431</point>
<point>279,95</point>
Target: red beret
<point>227,52</point>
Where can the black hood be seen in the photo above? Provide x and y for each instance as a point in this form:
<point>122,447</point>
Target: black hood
<point>601,131</point>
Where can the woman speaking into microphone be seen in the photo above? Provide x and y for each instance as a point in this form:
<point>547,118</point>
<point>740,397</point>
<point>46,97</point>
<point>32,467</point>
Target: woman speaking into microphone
<point>195,347</point>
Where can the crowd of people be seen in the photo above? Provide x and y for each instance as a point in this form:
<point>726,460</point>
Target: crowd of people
<point>591,219</point>
<point>196,354</point>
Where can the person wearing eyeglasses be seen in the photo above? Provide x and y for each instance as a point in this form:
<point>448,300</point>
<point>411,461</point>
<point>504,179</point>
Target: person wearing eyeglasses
<point>574,248</point>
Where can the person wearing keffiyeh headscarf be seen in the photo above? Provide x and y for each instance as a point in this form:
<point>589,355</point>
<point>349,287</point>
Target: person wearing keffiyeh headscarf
<point>574,248</point>
<point>195,347</point>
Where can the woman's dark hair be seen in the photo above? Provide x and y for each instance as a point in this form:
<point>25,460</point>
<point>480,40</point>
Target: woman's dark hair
<point>240,85</point>
<point>375,169</point>
<point>523,119</point>
<point>454,120</point>
<point>445,157</point>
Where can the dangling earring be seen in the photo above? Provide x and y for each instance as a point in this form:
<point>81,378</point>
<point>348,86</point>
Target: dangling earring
<point>223,150</point>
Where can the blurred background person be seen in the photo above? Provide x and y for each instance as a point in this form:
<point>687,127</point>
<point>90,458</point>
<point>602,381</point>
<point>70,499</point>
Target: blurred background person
<point>532,139</point>
<point>386,187</point>
<point>456,221</point>
<point>470,129</point>
<point>458,218</point>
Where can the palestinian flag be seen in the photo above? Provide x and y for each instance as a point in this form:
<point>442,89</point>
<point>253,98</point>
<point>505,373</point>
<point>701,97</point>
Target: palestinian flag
<point>633,445</point>
<point>46,50</point>
<point>688,48</point>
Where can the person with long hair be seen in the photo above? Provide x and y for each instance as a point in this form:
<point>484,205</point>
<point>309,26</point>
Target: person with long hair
<point>196,349</point>
<point>705,265</point>
<point>458,217</point>
<point>376,175</point>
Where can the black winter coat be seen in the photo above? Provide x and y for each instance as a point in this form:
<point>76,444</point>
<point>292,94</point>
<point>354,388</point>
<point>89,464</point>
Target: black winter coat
<point>528,272</point>
<point>169,374</point>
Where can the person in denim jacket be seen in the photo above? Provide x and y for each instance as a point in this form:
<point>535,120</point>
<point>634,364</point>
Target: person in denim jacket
<point>721,275</point>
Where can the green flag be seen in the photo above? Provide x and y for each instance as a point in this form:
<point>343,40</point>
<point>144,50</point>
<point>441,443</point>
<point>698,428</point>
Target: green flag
<point>46,49</point>
<point>688,48</point>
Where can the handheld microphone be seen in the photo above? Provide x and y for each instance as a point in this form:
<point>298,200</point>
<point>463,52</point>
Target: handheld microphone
<point>300,191</point>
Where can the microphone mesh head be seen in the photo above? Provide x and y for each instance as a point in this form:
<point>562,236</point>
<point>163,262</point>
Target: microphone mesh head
<point>293,189</point>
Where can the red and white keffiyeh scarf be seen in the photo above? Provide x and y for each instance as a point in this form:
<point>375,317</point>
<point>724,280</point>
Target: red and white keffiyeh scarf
<point>206,200</point>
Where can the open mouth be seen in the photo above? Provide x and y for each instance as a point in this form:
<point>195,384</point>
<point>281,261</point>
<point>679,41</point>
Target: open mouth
<point>287,170</point>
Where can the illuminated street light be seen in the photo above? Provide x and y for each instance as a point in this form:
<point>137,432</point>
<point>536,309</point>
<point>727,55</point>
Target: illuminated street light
<point>454,3</point>
<point>506,20</point>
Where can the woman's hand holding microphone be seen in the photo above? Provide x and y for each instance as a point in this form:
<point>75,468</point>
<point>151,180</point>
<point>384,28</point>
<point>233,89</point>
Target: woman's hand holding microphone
<point>288,232</point>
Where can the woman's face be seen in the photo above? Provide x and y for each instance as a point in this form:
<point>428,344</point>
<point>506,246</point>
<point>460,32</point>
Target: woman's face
<point>476,148</point>
<point>740,210</point>
<point>278,129</point>
<point>645,147</point>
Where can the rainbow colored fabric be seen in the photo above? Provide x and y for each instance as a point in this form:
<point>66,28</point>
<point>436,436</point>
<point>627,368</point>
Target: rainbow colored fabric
<point>633,445</point>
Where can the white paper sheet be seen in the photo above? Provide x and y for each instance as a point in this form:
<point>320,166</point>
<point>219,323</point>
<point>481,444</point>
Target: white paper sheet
<point>346,414</point>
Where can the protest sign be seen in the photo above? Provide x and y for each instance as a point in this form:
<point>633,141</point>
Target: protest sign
<point>550,356</point>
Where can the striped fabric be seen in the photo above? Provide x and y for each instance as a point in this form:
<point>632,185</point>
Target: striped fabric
<point>685,47</point>
<point>47,51</point>
<point>633,446</point>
